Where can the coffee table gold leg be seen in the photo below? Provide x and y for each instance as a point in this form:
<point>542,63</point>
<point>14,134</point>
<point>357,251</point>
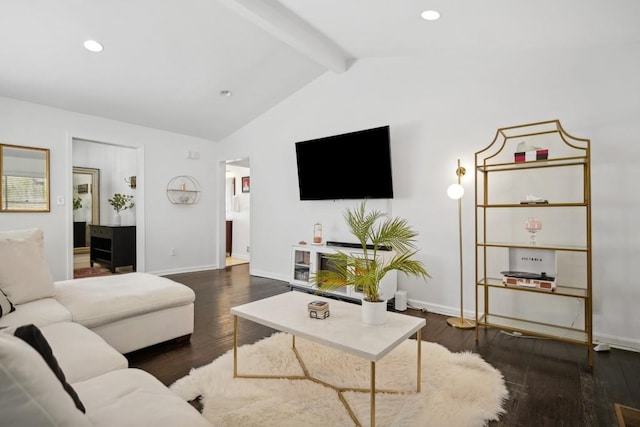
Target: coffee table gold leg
<point>235,346</point>
<point>373,394</point>
<point>419,375</point>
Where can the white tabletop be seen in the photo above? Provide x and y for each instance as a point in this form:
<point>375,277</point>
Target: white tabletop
<point>343,329</point>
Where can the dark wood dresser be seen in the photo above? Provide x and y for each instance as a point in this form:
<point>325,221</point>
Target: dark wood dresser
<point>80,234</point>
<point>113,246</point>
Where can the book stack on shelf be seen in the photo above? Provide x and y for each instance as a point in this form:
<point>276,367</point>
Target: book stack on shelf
<point>318,309</point>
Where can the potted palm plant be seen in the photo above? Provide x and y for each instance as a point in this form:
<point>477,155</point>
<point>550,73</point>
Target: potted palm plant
<point>374,231</point>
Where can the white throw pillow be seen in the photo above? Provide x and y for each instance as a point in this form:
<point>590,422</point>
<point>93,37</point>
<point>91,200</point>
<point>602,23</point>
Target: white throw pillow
<point>24,272</point>
<point>30,393</point>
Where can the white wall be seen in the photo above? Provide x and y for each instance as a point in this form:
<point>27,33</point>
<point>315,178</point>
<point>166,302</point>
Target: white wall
<point>191,229</point>
<point>447,106</point>
<point>440,108</point>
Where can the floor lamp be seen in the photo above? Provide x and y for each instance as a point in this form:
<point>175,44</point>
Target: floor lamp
<point>455,192</point>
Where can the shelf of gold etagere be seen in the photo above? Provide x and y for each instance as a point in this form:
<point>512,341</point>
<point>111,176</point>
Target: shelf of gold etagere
<point>534,328</point>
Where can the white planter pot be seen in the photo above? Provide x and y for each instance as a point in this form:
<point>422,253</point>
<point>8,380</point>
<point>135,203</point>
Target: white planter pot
<point>116,219</point>
<point>79,215</point>
<point>374,313</point>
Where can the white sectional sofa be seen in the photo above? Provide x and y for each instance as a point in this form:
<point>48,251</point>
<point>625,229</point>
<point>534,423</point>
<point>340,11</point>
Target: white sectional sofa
<point>88,325</point>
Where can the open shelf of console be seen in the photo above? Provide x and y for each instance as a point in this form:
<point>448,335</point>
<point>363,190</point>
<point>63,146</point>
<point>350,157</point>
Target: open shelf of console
<point>307,260</point>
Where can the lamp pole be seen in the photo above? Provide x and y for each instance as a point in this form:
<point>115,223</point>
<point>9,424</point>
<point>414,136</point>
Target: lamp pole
<point>456,191</point>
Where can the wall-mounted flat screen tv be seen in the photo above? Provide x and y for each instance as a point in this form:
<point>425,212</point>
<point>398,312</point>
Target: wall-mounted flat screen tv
<point>355,165</point>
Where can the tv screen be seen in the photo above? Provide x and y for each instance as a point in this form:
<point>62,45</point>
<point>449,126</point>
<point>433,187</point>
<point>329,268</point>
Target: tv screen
<point>355,165</point>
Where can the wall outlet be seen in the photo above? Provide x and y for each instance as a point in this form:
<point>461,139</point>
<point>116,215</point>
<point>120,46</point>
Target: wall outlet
<point>248,249</point>
<point>174,252</point>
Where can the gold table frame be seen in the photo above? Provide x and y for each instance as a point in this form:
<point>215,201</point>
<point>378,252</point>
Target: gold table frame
<point>339,390</point>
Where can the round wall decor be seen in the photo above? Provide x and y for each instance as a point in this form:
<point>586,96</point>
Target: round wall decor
<point>183,190</point>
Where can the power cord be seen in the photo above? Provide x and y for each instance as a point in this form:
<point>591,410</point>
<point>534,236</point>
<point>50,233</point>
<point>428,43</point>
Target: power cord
<point>516,334</point>
<point>413,307</point>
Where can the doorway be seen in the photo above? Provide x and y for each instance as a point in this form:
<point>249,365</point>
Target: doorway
<point>237,212</point>
<point>101,170</point>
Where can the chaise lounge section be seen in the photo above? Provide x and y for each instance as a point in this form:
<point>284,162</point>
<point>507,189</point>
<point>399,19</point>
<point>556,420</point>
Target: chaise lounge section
<point>130,311</point>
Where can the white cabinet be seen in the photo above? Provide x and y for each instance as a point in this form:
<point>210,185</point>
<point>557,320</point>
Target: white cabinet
<point>308,259</point>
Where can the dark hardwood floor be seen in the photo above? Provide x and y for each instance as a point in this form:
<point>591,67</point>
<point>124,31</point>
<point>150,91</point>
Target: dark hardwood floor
<point>549,382</point>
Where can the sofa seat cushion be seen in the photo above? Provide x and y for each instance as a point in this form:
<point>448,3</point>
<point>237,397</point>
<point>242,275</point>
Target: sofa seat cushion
<point>96,301</point>
<point>81,353</point>
<point>30,393</point>
<point>131,397</point>
<point>40,312</point>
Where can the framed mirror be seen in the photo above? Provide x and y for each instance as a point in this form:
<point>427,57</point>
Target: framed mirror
<point>25,179</point>
<point>86,205</point>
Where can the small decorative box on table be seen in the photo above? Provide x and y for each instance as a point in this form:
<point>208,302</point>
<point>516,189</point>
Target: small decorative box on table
<point>318,309</point>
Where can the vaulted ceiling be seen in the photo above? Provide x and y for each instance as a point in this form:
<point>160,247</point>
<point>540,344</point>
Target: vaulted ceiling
<point>166,62</point>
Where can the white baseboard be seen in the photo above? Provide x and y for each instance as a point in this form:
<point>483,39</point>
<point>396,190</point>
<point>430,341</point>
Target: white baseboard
<point>614,341</point>
<point>268,275</point>
<point>441,309</point>
<point>185,270</point>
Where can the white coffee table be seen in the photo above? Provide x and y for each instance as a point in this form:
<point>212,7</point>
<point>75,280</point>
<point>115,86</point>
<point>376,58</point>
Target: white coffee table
<point>342,330</point>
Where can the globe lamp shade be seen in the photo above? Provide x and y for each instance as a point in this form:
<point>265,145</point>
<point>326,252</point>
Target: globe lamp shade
<point>455,191</point>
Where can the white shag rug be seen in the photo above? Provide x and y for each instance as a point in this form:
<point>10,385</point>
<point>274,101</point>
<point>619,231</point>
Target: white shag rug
<point>458,389</point>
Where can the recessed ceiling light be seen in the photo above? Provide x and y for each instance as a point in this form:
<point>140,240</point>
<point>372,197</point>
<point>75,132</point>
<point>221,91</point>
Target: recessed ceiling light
<point>430,15</point>
<point>93,46</point>
<point>226,93</point>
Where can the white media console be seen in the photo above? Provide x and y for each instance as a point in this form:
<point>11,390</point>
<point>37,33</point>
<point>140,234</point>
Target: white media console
<point>308,259</point>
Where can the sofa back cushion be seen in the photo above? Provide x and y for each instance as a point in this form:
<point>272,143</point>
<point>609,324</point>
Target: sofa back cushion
<point>30,393</point>
<point>24,272</point>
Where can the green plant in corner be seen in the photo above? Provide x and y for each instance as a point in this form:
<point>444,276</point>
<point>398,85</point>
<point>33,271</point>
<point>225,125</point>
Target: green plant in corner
<point>77,203</point>
<point>121,202</point>
<point>374,231</point>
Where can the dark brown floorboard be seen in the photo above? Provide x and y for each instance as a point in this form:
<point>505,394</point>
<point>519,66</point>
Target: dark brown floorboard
<point>549,382</point>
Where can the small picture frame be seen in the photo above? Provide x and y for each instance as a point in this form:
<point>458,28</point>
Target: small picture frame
<point>246,184</point>
<point>83,188</point>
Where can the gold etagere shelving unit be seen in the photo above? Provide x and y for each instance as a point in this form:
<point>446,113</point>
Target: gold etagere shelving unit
<point>501,183</point>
